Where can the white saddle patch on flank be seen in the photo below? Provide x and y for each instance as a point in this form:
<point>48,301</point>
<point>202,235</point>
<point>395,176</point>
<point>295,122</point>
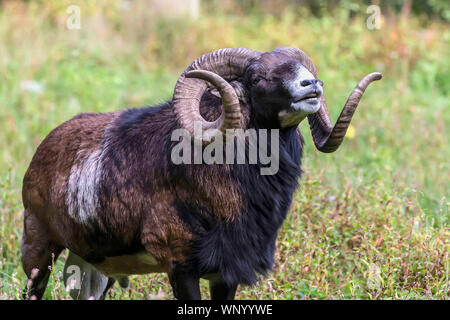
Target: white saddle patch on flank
<point>81,198</point>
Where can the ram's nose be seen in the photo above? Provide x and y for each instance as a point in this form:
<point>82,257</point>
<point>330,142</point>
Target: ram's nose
<point>309,82</point>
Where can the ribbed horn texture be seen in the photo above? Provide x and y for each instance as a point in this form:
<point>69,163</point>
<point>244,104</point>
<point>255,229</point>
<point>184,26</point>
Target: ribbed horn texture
<point>226,65</point>
<point>326,137</point>
<point>230,101</point>
<point>330,142</point>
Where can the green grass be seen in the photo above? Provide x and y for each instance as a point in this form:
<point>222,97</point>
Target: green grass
<point>368,222</point>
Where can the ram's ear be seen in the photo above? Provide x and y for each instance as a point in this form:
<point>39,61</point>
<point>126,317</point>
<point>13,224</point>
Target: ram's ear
<point>238,88</point>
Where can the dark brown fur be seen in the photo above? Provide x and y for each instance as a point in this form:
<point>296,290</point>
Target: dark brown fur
<point>137,209</point>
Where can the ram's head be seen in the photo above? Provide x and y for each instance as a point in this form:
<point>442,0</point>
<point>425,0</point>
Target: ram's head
<point>280,86</point>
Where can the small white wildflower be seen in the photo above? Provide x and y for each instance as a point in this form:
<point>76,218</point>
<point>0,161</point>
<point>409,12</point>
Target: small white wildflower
<point>34,273</point>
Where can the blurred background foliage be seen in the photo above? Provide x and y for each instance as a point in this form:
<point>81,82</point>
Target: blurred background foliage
<point>369,221</point>
<point>319,8</point>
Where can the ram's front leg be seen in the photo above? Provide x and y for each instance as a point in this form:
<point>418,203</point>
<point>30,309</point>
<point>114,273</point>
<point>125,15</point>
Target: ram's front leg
<point>185,283</point>
<point>220,290</point>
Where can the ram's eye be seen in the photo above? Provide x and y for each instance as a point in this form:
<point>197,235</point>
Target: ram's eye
<point>257,79</point>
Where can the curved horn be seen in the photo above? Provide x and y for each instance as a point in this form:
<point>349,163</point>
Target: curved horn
<point>216,67</point>
<point>326,137</point>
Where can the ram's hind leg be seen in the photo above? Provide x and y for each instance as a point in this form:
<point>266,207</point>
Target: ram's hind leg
<point>39,252</point>
<point>83,281</point>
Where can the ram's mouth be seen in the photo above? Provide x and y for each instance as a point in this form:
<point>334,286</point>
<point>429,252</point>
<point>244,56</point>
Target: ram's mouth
<point>306,104</point>
<point>312,95</point>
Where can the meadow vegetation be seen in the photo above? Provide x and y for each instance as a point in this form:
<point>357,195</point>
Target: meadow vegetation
<point>368,222</point>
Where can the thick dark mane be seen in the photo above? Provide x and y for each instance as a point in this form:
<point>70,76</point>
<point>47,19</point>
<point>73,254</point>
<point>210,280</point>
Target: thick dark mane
<point>241,248</point>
